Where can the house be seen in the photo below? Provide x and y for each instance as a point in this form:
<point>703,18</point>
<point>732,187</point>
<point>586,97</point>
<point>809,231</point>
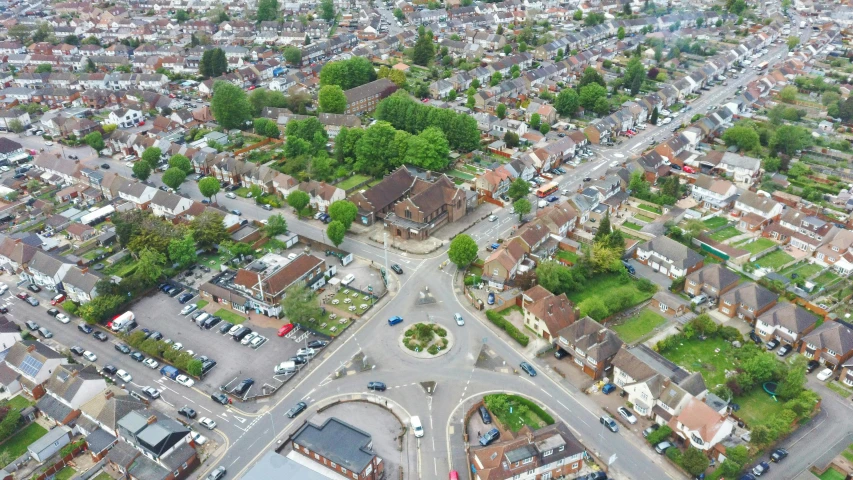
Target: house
<point>80,232</point>
<point>34,362</point>
<point>103,411</point>
<point>590,345</point>
<point>339,447</point>
<point>69,387</point>
<point>700,425</point>
<point>713,280</point>
<point>551,452</point>
<point>831,344</point>
<point>493,183</point>
<point>755,209</point>
<point>153,446</point>
<point>321,194</point>
<point>379,199</point>
<point>125,117</point>
<point>669,303</point>
<point>560,218</point>
<point>714,193</point>
<point>502,265</point>
<point>364,98</point>
<point>546,313</point>
<point>430,204</point>
<point>748,301</point>
<point>669,257</point>
<point>785,322</point>
<point>46,271</point>
<point>742,169</point>
<point>79,284</point>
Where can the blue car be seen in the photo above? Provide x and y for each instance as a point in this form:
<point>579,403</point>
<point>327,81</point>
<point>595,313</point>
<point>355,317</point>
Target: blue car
<point>528,369</point>
<point>608,388</point>
<point>491,299</point>
<point>395,320</point>
<point>553,198</point>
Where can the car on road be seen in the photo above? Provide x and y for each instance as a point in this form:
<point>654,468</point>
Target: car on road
<point>628,416</point>
<point>237,212</point>
<point>761,469</point>
<point>122,348</point>
<point>151,392</point>
<point>100,336</point>
<point>105,166</point>
<point>220,398</point>
<point>124,376</point>
<point>187,412</point>
<point>109,370</point>
<point>45,332</point>
<point>459,320</point>
<point>376,386</point>
<point>824,374</point>
<point>528,369</point>
<point>62,318</point>
<point>33,326</point>
<point>230,195</point>
<point>609,423</point>
<point>786,349</point>
<point>33,288</point>
<point>185,380</point>
<point>52,312</point>
<point>778,455</point>
<point>395,320</point>
<point>553,198</point>
<point>77,350</point>
<point>284,330</point>
<point>397,269</point>
<point>90,356</point>
<point>493,218</point>
<point>217,474</point>
<point>490,437</point>
<point>85,328</point>
<point>662,447</point>
<point>151,363</point>
<point>206,422</point>
<point>485,416</point>
<point>297,409</point>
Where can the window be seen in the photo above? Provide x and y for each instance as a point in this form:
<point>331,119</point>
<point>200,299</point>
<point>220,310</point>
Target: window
<point>408,214</point>
<point>527,460</point>
<point>343,470</point>
<point>549,452</point>
<point>695,439</point>
<point>575,466</point>
<point>316,457</point>
<point>830,352</point>
<point>334,465</point>
<point>177,473</point>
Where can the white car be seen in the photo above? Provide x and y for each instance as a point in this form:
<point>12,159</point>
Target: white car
<point>189,309</point>
<point>248,338</point>
<point>151,363</point>
<point>48,143</point>
<point>4,169</point>
<point>63,318</point>
<point>824,374</point>
<point>124,376</point>
<point>3,288</point>
<point>89,356</point>
<point>493,217</point>
<point>185,380</point>
<point>198,438</point>
<point>258,341</point>
<point>177,346</point>
<point>628,416</point>
<point>210,424</point>
<point>230,195</point>
<point>305,352</point>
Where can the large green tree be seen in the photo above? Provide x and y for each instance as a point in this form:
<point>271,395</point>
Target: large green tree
<point>276,225</point>
<point>142,170</point>
<point>424,50</point>
<point>462,250</point>
<point>300,304</point>
<point>590,94</point>
<point>149,268</point>
<point>209,186</point>
<point>343,211</point>
<point>327,10</point>
<point>374,152</point>
<point>267,10</point>
<point>567,102</point>
<point>744,137</point>
<point>183,250</point>
<point>174,177</point>
<point>332,99</point>
<point>298,200</point>
<point>181,162</point>
<point>213,63</point>
<point>347,74</point>
<point>293,55</point>
<point>95,141</point>
<point>634,75</point>
<point>151,156</point>
<point>694,461</point>
<point>208,229</point>
<point>336,232</point>
<point>522,207</point>
<point>428,150</point>
<point>229,106</point>
<point>519,188</point>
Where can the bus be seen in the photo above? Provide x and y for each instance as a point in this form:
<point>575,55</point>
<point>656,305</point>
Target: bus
<point>761,66</point>
<point>546,190</point>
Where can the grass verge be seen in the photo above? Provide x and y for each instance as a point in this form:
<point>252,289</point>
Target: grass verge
<point>230,316</point>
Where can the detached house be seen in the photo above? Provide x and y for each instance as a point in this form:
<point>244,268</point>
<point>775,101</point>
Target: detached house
<point>590,346</point>
<point>700,425</point>
<point>785,322</point>
<point>748,301</point>
<point>831,344</point>
<point>546,313</point>
<point>669,257</point>
<point>742,169</point>
<point>714,193</point>
<point>322,194</point>
<point>756,210</point>
<point>550,452</point>
<point>712,280</point>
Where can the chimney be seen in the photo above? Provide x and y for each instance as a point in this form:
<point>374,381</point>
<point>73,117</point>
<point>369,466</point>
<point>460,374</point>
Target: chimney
<point>109,394</point>
<point>84,269</point>
<point>31,348</point>
<point>74,373</point>
<point>151,420</point>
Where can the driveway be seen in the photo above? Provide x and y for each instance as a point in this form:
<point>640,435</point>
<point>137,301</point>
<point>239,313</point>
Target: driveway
<point>644,271</point>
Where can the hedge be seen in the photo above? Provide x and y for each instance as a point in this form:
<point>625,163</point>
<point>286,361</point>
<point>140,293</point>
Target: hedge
<point>534,408</point>
<point>508,327</point>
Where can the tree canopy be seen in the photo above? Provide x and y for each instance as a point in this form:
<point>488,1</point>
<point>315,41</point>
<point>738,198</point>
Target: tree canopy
<point>462,250</point>
<point>230,106</point>
<point>347,74</point>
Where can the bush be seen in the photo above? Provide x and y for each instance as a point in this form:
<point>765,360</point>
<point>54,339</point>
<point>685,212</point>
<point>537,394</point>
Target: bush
<point>647,286</point>
<point>659,435</point>
<point>730,334</point>
<point>534,408</point>
<point>409,332</point>
<point>440,332</point>
<point>509,328</point>
<point>674,454</point>
<point>70,307</point>
<point>472,280</point>
<point>433,349</point>
<point>194,368</point>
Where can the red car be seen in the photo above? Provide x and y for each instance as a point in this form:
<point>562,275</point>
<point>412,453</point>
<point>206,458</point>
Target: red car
<point>688,169</point>
<point>252,88</point>
<point>58,299</point>
<point>22,296</point>
<point>141,123</point>
<point>285,329</point>
<point>171,95</point>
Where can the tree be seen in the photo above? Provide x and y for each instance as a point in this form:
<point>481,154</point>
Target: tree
<point>594,307</point>
<point>182,16</point>
<point>626,9</point>
<point>398,14</point>
<point>462,251</point>
<point>845,109</point>
<point>535,121</point>
<point>424,50</point>
<point>181,162</point>
<point>343,211</point>
<point>90,66</point>
<point>268,10</point>
<point>347,74</point>
<point>213,63</point>
<point>790,138</point>
<point>332,99</point>
<point>300,304</point>
<point>501,111</point>
<point>602,106</point>
<point>745,138</point>
<point>16,126</point>
<point>694,461</point>
<point>209,186</point>
<point>151,156</point>
<point>327,10</point>
<point>654,119</point>
<point>620,33</point>
<point>95,140</point>
<point>788,94</point>
<point>20,32</point>
<point>603,229</point>
<point>276,225</point>
<point>496,79</point>
<point>578,15</point>
<point>522,207</point>
<point>182,251</point>
<point>208,229</point>
<point>792,42</point>
<point>793,380</point>
<point>44,68</point>
<point>266,127</point>
<point>336,232</point>
<point>229,106</point>
<point>298,200</point>
<point>429,150</point>
<point>511,139</point>
<point>590,94</point>
<point>174,177</point>
<point>567,102</point>
<point>293,55</point>
<point>149,268</point>
<point>519,188</point>
<point>634,74</point>
<point>142,170</point>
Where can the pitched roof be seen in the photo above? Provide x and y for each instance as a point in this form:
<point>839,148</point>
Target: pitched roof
<point>715,275</point>
<point>680,255</point>
<point>790,316</point>
<point>586,334</point>
<point>699,417</point>
<point>750,294</point>
<point>555,310</point>
<point>836,336</point>
<point>390,189</point>
<point>339,442</point>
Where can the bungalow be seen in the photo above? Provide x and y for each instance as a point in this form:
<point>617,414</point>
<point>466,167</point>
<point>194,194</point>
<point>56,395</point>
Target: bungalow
<point>669,257</point>
<point>546,313</point>
<point>670,303</point>
<point>748,301</point>
<point>591,346</point>
<point>785,322</point>
<point>831,344</point>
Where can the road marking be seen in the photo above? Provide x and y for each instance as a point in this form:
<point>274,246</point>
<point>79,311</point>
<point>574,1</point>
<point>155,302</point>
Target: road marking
<point>235,461</point>
<point>239,419</point>
<point>167,403</point>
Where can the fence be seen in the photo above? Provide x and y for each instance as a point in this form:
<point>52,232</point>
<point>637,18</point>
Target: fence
<point>91,472</point>
<point>62,463</point>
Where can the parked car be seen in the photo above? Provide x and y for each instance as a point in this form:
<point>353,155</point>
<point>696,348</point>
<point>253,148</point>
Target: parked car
<point>662,447</point>
<point>85,328</point>
<point>137,356</point>
<point>490,437</point>
<point>651,429</point>
<point>100,336</point>
<point>761,469</point>
<point>184,298</point>
<point>124,376</point>
<point>824,374</point>
<point>317,344</point>
<point>772,344</point>
<point>284,330</point>
<point>77,350</point>
<point>45,332</point>
<point>151,363</point>
<point>33,288</point>
<point>109,370</point>
<point>397,269</point>
<point>243,386</point>
<point>812,366</point>
<point>490,299</point>
<point>151,392</point>
<point>484,415</point>
<point>187,412</point>
<point>560,353</point>
<point>609,423</point>
<point>122,348</point>
<point>185,380</point>
<point>786,349</point>
<point>52,312</point>
<point>207,423</point>
<point>33,326</point>
<point>754,337</point>
<point>607,389</point>
<point>778,455</point>
<point>627,415</point>
<point>57,299</point>
<point>90,356</point>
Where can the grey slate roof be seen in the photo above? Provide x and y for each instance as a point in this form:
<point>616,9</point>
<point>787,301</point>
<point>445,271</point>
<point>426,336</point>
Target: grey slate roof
<point>836,336</point>
<point>678,254</point>
<point>99,440</point>
<point>338,441</point>
<point>53,408</point>
<point>45,264</point>
<point>273,465</point>
<point>790,316</point>
<point>715,275</point>
<point>750,294</point>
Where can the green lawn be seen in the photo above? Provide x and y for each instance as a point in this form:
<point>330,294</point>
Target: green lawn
<point>65,474</point>
<point>756,407</point>
<point>242,192</point>
<point>357,301</point>
<point>725,234</point>
<point>17,445</point>
<point>699,356</point>
<point>832,474</point>
<point>803,270</point>
<point>229,316</point>
<point>327,330</point>
<point>639,326</point>
<point>759,245</point>
<point>519,417</point>
<point>632,225</point>
<point>462,175</point>
<point>201,304</point>
<point>19,403</point>
<point>826,278</point>
<point>650,208</point>
<point>839,388</point>
<point>643,218</point>
<point>103,476</point>
<point>213,260</point>
<point>124,268</point>
<point>774,260</point>
<point>715,222</point>
<point>352,181</point>
<point>568,256</point>
<point>608,285</point>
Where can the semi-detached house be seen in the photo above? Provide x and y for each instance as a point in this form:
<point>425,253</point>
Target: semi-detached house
<point>669,257</point>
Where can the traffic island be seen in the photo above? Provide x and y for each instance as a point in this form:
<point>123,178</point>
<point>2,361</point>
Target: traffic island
<point>426,340</point>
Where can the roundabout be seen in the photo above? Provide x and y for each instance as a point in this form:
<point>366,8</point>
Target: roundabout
<point>426,340</point>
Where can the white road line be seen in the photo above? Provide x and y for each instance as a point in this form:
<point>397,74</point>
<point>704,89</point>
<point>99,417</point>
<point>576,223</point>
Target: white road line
<point>203,408</point>
<point>167,403</point>
<point>235,461</point>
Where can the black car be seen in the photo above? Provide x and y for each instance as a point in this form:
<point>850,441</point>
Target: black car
<point>754,337</point>
<point>32,325</point>
<point>812,366</point>
<point>397,269</point>
<point>560,353</point>
<point>599,475</point>
<point>85,328</point>
<point>243,387</point>
<point>187,412</point>
<point>490,436</point>
<point>122,348</point>
<point>786,349</point>
<point>220,398</point>
<point>175,291</point>
<point>4,309</point>
<point>484,415</point>
<point>77,350</point>
<point>528,369</point>
<point>241,334</point>
<point>376,386</point>
<point>225,327</point>
<point>53,312</point>
<point>206,366</point>
<point>105,166</point>
<point>155,335</point>
<point>778,455</point>
<point>137,356</point>
<point>298,360</point>
<point>109,370</point>
<point>211,322</point>
<point>33,288</point>
<point>184,298</point>
<point>101,336</point>
<point>772,344</point>
<point>297,409</point>
<point>317,344</point>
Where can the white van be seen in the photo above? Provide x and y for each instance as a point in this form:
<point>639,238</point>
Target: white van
<point>417,427</point>
<point>122,321</point>
<point>347,280</point>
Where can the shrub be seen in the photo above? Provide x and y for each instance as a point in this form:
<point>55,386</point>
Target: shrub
<point>433,349</point>
<point>731,334</point>
<point>444,343</point>
<point>646,285</point>
<point>409,332</point>
<point>534,408</point>
<point>440,332</point>
<point>70,307</point>
<point>471,280</point>
<point>674,454</point>
<point>508,327</point>
<point>194,368</point>
<point>659,435</point>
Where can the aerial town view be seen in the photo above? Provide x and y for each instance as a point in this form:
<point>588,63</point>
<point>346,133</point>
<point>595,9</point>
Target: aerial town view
<point>426,240</point>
